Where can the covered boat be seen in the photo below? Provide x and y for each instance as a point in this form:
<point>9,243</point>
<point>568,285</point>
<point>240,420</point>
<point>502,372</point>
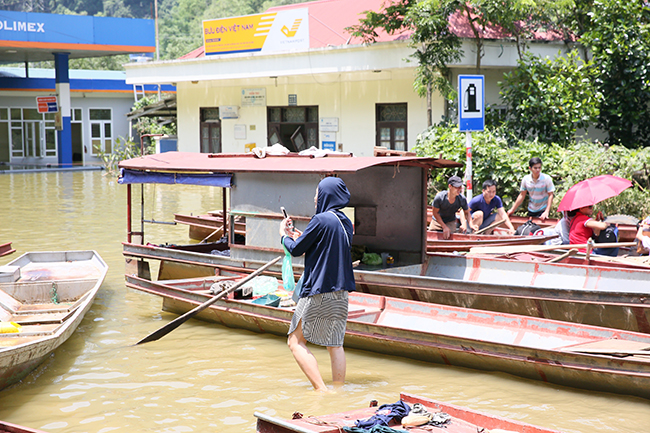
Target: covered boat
<point>562,353</point>
<point>43,298</point>
<point>450,419</point>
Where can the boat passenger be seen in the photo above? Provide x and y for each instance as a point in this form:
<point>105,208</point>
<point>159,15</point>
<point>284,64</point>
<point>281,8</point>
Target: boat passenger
<point>322,311</point>
<point>541,189</point>
<point>487,209</point>
<point>643,237</point>
<point>584,227</point>
<point>563,226</point>
<point>445,205</point>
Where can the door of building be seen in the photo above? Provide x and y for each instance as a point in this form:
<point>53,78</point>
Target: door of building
<point>210,130</point>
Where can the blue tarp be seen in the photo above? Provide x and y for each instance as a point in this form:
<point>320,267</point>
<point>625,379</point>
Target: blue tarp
<point>218,179</point>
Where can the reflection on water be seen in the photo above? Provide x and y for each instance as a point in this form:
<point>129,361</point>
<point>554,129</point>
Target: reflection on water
<point>203,377</point>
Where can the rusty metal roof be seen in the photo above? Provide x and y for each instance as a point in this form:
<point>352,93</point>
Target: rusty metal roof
<point>238,163</point>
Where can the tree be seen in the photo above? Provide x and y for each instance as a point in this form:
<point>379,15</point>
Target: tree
<point>618,35</point>
<point>550,98</point>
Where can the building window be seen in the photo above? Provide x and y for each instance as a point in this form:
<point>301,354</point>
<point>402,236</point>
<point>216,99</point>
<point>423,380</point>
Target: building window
<point>391,126</point>
<point>101,131</point>
<point>296,128</point>
<point>210,130</point>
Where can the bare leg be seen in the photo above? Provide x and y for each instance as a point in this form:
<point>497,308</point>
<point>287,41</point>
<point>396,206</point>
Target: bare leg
<point>477,218</point>
<point>337,358</point>
<point>305,359</point>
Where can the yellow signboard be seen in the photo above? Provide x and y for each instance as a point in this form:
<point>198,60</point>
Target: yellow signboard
<point>279,31</point>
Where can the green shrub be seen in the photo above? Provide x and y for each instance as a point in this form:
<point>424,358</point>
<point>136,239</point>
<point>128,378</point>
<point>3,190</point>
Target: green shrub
<point>494,156</point>
<point>124,149</point>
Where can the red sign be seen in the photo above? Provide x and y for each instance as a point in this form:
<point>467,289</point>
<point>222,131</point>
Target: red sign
<point>47,104</point>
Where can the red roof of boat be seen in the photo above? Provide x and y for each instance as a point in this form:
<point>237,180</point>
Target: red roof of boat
<point>232,163</point>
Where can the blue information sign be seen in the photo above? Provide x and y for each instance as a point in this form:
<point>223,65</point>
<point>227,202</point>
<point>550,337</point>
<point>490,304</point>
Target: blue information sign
<point>471,103</point>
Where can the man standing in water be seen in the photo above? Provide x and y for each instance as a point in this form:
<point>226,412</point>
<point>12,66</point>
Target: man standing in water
<point>540,187</point>
<point>322,311</point>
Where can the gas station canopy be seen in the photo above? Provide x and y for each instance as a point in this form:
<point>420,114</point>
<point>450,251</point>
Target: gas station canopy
<point>33,37</point>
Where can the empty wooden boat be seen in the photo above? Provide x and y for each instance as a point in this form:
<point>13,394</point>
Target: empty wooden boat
<point>562,353</point>
<point>457,419</point>
<point>463,242</point>
<point>5,249</point>
<point>43,298</point>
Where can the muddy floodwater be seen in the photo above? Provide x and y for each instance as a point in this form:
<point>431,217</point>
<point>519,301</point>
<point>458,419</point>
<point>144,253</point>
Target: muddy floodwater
<point>207,378</point>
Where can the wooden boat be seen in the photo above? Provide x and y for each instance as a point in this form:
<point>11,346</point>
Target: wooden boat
<point>463,242</point>
<point>607,296</point>
<point>7,427</point>
<point>44,296</point>
<point>5,249</point>
<point>462,420</point>
<point>562,353</point>
<point>208,227</point>
<point>626,232</point>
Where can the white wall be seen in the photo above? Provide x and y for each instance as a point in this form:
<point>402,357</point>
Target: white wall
<point>349,97</point>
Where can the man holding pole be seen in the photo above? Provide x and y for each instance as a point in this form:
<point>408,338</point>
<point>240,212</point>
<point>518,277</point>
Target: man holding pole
<point>487,209</point>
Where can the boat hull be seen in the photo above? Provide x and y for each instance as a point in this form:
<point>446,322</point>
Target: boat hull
<point>527,347</point>
<point>15,428</point>
<point>49,300</point>
<point>599,296</point>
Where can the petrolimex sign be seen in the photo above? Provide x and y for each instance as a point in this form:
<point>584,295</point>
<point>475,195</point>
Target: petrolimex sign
<point>22,26</point>
<point>269,32</point>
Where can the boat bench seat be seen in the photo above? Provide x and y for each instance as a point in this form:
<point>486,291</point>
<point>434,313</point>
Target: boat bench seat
<point>11,340</point>
<point>356,313</point>
<point>34,330</point>
<point>62,307</point>
<point>29,319</point>
<point>612,347</point>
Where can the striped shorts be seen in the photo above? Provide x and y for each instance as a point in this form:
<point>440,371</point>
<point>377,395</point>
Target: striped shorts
<point>324,317</point>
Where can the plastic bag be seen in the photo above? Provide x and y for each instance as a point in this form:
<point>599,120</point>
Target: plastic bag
<point>263,285</point>
<point>287,272</point>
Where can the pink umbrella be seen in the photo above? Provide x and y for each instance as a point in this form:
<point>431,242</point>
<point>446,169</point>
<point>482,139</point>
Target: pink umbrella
<point>591,191</point>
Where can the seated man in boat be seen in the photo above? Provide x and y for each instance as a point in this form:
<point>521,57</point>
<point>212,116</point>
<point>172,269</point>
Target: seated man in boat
<point>540,188</point>
<point>445,205</point>
<point>643,237</point>
<point>487,209</point>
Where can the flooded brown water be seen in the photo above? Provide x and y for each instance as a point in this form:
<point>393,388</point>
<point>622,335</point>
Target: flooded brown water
<point>206,378</point>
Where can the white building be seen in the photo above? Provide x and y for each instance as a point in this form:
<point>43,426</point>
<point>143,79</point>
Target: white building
<point>330,92</point>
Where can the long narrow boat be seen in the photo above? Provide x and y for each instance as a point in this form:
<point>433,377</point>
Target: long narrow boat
<point>626,232</point>
<point>208,227</point>
<point>7,427</point>
<point>43,298</point>
<point>563,353</point>
<point>463,242</point>
<point>460,420</point>
<point>5,249</point>
<point>596,295</point>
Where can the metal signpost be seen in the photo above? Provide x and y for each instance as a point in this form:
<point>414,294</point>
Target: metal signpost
<point>471,116</point>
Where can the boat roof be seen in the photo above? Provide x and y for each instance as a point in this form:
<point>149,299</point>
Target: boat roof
<point>190,162</point>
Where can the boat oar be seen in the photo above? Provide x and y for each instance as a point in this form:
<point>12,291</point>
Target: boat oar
<point>491,226</point>
<point>157,335</point>
<point>571,252</point>
<point>211,234</point>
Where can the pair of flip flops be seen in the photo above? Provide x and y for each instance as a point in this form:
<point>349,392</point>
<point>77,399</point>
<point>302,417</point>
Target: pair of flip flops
<point>420,416</point>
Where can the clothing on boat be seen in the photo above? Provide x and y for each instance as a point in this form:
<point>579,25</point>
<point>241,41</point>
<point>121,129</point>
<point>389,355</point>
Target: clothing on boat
<point>563,227</point>
<point>328,276</point>
<point>579,232</point>
<point>446,209</point>
<point>478,203</point>
<point>323,316</point>
<point>385,414</point>
<point>538,191</point>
